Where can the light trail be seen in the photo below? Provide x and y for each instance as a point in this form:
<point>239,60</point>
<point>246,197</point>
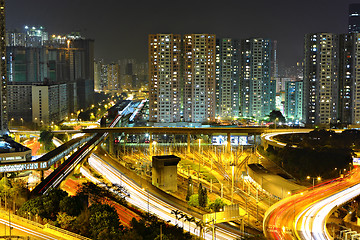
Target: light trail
<point>304,216</point>
<point>147,201</point>
<point>26,230</point>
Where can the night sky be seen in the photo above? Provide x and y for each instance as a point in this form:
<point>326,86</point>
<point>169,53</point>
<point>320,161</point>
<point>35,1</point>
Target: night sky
<point>120,28</point>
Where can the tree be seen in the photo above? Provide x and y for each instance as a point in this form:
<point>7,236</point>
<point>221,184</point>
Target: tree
<point>194,200</point>
<point>217,205</point>
<point>51,202</point>
<point>202,192</point>
<point>5,188</point>
<point>275,114</point>
<point>189,219</point>
<point>32,207</point>
<point>103,222</point>
<point>46,137</point>
<point>177,214</point>
<point>65,221</point>
<point>190,189</point>
<point>71,205</point>
<point>200,224</point>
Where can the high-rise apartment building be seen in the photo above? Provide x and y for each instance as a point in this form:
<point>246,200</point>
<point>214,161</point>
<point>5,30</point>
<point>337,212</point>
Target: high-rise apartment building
<point>49,103</point>
<point>321,78</point>
<point>182,78</point>
<point>60,60</point>
<point>164,78</point>
<point>293,100</point>
<point>354,18</point>
<point>199,75</point>
<point>227,78</point>
<point>3,73</point>
<point>257,84</point>
<point>113,75</point>
<point>349,78</point>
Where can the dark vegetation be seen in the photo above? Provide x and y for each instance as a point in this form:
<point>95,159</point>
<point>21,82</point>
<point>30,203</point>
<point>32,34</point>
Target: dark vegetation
<point>88,214</point>
<point>319,153</point>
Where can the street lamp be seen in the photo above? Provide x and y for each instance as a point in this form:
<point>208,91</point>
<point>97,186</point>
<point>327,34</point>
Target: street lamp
<point>199,145</point>
<point>154,143</point>
<point>232,182</point>
<point>313,180</point>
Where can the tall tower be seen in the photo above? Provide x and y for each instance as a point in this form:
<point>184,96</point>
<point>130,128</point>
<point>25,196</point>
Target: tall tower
<point>199,76</point>
<point>257,86</point>
<point>354,18</point>
<point>164,77</point>
<point>227,78</point>
<point>321,78</point>
<point>3,91</point>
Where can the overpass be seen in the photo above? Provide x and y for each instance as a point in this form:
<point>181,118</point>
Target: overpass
<point>194,131</point>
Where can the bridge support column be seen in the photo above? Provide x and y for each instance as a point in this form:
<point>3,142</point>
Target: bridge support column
<point>150,144</point>
<point>125,141</point>
<point>111,143</point>
<point>42,175</point>
<point>228,143</point>
<point>17,137</point>
<point>188,143</point>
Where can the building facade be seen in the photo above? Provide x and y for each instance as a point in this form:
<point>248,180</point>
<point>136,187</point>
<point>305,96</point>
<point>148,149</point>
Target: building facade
<point>3,73</point>
<point>257,86</point>
<point>321,78</point>
<point>354,18</point>
<point>164,78</point>
<point>227,78</point>
<point>293,101</point>
<point>349,78</point>
<point>49,103</point>
<point>199,103</point>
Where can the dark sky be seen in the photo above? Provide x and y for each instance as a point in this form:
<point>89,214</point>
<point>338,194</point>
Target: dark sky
<point>120,27</point>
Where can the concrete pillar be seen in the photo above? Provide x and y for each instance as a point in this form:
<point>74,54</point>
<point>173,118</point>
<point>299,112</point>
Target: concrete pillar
<point>228,145</point>
<point>42,175</point>
<point>111,143</point>
<point>188,142</point>
<point>150,144</point>
<point>125,141</point>
<point>17,137</point>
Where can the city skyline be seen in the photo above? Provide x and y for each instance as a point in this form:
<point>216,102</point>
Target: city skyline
<point>132,22</point>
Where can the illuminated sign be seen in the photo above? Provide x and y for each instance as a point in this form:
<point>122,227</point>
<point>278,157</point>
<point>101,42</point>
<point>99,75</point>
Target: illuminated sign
<point>235,140</point>
<point>356,161</point>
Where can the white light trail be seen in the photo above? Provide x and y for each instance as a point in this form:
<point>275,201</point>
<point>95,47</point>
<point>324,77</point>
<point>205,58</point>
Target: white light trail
<point>148,202</point>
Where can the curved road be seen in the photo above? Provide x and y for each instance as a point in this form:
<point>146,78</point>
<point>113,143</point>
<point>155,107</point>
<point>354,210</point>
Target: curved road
<point>304,215</point>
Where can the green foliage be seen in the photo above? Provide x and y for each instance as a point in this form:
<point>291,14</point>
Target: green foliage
<point>103,222</point>
<point>46,137</point>
<point>189,189</point>
<point>65,221</point>
<point>13,191</point>
<point>257,237</point>
<point>51,202</point>
<point>34,207</point>
<point>217,205</point>
<point>276,115</point>
<point>96,193</point>
<point>149,228</point>
<point>194,200</point>
<point>71,205</point>
<point>202,192</point>
<point>319,153</point>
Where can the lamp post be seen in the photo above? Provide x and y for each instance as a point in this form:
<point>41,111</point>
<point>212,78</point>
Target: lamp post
<point>154,143</point>
<point>232,182</point>
<point>313,180</point>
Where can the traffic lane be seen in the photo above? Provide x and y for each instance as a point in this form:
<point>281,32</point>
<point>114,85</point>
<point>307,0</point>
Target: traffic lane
<point>20,229</point>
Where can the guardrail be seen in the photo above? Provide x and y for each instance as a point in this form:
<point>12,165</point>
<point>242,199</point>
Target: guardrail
<point>47,227</point>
